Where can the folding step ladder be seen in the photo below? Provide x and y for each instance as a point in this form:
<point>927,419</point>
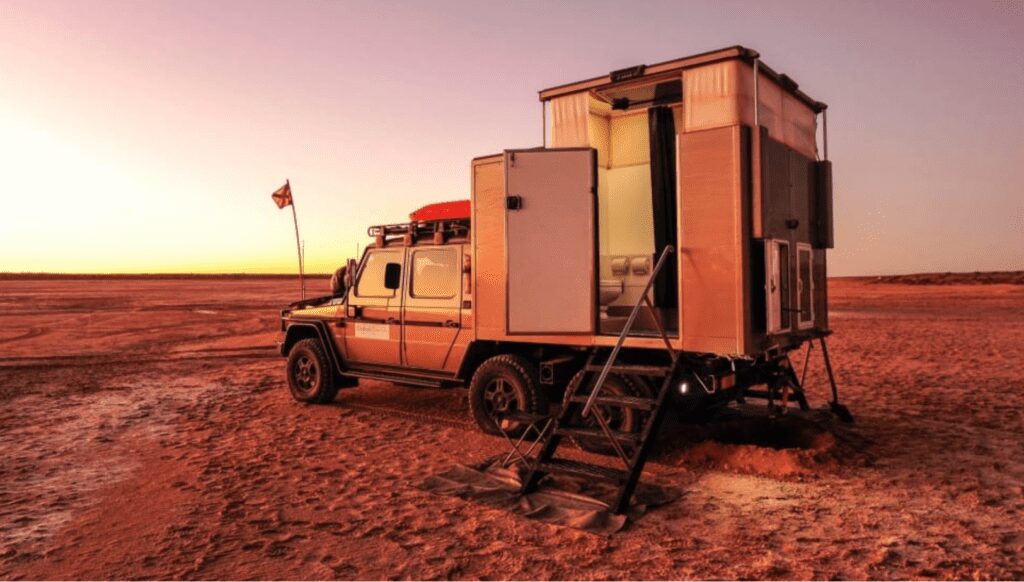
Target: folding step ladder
<point>631,448</point>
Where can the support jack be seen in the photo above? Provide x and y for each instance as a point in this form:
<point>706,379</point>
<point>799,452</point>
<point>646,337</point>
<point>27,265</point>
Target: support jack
<point>840,410</point>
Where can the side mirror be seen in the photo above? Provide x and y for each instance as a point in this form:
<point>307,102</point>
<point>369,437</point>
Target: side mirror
<point>392,276</point>
<point>350,271</point>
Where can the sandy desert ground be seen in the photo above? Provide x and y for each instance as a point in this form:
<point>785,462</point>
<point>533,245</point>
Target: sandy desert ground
<point>146,432</point>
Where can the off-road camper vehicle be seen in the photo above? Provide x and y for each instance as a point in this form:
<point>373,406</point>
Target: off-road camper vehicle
<point>665,248</point>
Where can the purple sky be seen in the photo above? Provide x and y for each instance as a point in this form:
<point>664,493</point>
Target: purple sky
<point>148,136</point>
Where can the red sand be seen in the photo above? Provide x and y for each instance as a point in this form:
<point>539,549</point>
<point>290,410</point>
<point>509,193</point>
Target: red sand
<point>147,433</point>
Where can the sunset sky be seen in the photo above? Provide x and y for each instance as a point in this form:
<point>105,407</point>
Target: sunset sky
<point>145,136</point>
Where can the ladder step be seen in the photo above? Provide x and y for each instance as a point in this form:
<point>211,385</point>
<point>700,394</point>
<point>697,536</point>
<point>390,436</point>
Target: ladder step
<point>621,401</point>
<point>636,370</point>
<point>597,433</point>
<point>584,470</point>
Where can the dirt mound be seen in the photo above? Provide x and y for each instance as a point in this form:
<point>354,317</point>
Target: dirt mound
<point>748,441</point>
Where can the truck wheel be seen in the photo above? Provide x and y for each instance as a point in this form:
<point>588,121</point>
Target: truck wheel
<point>310,377</point>
<point>502,385</point>
<point>619,418</point>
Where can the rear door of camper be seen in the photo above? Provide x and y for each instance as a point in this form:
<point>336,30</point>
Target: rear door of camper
<point>551,238</point>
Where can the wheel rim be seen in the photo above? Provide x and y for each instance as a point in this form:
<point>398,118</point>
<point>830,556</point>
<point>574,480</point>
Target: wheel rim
<point>500,398</point>
<point>618,418</point>
<point>307,374</point>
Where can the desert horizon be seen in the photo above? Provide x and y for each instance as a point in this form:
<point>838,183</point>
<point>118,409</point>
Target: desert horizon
<point>936,278</point>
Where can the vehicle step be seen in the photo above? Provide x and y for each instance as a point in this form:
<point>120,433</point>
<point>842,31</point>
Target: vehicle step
<point>636,370</point>
<point>597,433</point>
<point>636,402</point>
<point>384,377</point>
<point>584,470</point>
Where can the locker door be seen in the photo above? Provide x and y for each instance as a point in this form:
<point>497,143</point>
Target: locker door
<point>805,286</point>
<point>777,285</point>
<point>551,240</point>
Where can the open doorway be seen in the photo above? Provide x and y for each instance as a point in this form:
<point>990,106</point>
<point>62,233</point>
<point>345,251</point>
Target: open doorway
<point>634,130</point>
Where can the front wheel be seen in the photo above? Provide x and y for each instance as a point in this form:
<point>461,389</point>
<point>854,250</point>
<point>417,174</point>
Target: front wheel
<point>501,386</point>
<point>310,377</point>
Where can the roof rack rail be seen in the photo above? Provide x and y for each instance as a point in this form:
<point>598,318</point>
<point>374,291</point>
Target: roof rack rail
<point>409,232</point>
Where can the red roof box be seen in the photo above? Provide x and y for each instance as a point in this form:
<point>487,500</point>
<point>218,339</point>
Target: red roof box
<point>457,210</point>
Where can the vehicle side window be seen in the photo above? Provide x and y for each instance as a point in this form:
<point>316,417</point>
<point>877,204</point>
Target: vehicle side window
<point>371,279</point>
<point>435,273</point>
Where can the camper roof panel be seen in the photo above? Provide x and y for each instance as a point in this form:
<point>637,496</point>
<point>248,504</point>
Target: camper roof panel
<point>644,74</point>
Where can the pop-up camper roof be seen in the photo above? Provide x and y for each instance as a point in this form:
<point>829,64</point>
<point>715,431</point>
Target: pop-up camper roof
<point>647,73</point>
<point>716,89</point>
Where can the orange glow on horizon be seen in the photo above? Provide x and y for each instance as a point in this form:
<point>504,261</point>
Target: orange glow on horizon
<point>147,137</point>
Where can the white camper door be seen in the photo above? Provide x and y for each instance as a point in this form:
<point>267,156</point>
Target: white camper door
<point>551,241</point>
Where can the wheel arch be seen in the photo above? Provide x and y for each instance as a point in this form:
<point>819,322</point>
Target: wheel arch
<point>480,351</point>
<point>298,331</point>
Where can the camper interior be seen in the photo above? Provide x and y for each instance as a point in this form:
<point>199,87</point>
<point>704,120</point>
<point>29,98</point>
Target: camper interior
<point>633,128</point>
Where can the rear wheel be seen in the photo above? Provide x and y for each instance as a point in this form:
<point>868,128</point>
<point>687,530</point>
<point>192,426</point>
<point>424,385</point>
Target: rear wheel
<point>504,385</point>
<point>310,375</point>
<point>622,419</point>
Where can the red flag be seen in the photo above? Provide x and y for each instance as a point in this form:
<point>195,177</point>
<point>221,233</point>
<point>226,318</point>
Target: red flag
<point>283,196</point>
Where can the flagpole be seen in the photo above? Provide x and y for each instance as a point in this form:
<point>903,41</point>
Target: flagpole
<point>298,246</point>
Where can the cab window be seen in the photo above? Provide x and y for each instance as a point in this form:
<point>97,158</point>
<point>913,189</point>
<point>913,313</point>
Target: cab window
<point>371,279</point>
<point>435,273</point>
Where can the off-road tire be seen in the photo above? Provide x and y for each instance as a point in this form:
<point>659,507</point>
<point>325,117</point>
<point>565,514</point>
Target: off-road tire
<point>310,374</point>
<point>620,419</point>
<point>504,384</point>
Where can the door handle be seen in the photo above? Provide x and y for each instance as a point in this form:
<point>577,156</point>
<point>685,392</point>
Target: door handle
<point>451,323</point>
<point>390,321</point>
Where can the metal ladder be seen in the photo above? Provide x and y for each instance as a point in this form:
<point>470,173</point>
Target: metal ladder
<point>631,449</point>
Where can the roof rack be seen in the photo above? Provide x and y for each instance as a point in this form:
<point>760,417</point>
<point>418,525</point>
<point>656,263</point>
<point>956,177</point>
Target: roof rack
<point>410,232</point>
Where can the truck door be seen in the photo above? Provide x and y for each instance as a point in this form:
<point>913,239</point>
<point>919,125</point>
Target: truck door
<point>373,327</point>
<point>431,317</point>
<point>551,240</point>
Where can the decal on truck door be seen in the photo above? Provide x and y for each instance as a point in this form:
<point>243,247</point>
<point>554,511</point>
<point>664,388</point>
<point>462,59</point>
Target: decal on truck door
<point>377,331</point>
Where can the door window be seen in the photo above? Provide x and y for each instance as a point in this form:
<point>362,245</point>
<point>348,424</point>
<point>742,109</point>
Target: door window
<point>371,279</point>
<point>435,273</point>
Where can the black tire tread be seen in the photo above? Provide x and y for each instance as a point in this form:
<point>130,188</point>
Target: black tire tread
<point>599,445</point>
<point>536,402</point>
<point>328,389</point>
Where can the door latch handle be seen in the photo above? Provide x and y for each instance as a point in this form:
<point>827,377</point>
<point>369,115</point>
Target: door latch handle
<point>451,323</point>
<point>390,321</point>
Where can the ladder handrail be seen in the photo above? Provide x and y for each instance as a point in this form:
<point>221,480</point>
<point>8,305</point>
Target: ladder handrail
<point>625,331</point>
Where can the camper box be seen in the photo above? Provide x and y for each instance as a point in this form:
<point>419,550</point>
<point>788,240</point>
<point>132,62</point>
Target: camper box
<point>713,155</point>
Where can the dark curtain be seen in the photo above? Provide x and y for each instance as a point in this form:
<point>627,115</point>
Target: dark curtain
<point>663,190</point>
